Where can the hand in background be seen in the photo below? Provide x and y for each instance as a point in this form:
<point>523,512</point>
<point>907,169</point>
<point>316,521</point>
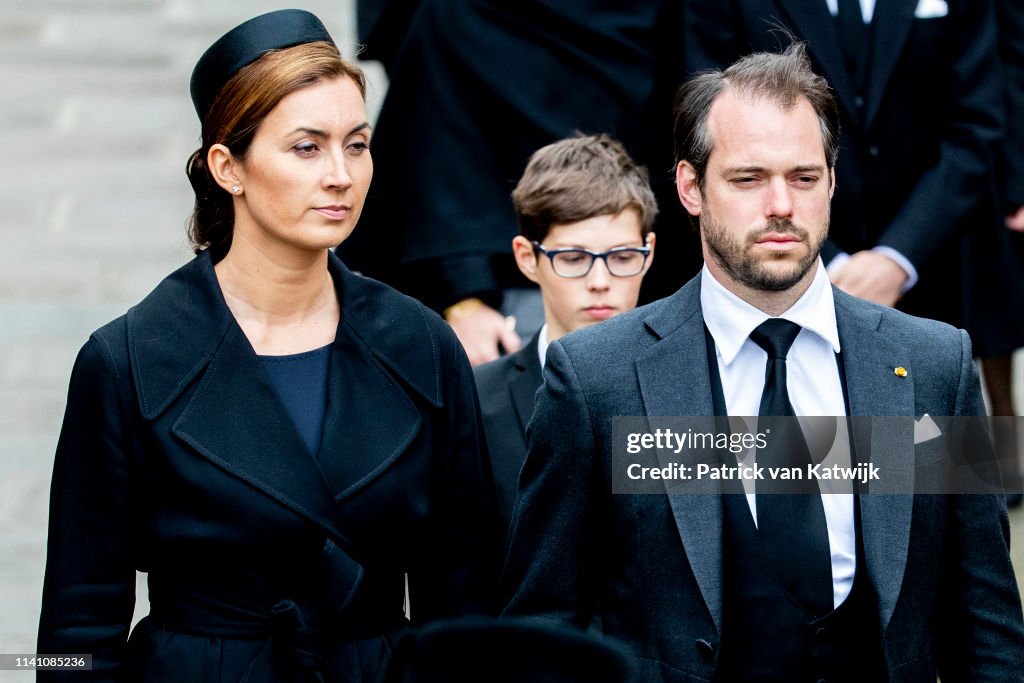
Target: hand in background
<point>871,276</point>
<point>1015,221</point>
<point>481,329</point>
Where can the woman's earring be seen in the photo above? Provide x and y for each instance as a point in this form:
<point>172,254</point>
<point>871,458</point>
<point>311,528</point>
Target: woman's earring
<point>236,189</point>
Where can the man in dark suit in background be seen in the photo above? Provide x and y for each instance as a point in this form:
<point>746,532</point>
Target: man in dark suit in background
<point>581,200</point>
<point>998,366</point>
<point>797,586</point>
<point>1011,49</point>
<point>920,99</point>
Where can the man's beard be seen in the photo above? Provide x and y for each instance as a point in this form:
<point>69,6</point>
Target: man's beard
<point>742,264</point>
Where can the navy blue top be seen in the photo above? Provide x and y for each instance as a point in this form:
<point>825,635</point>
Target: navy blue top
<point>301,383</point>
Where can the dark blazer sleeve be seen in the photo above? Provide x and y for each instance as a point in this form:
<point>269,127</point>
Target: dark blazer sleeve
<point>459,570</point>
<point>1011,46</point>
<point>551,560</point>
<point>89,587</point>
<point>981,635</point>
<point>443,281</point>
<point>947,194</point>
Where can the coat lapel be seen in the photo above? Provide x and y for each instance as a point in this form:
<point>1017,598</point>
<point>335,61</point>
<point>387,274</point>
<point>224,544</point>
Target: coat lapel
<point>370,420</point>
<point>674,381</point>
<point>382,361</point>
<point>268,452</point>
<point>890,25</point>
<point>811,19</point>
<point>174,333</point>
<point>870,358</point>
<point>379,362</point>
<point>526,377</point>
<point>184,332</point>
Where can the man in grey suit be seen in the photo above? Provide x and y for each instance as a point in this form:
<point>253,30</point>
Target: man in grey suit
<point>797,586</point>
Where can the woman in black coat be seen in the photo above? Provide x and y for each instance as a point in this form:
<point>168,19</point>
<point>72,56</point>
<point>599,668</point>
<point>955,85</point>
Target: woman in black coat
<point>281,444</point>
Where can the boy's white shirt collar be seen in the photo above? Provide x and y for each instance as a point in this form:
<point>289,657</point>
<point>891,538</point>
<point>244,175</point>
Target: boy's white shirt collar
<point>542,344</point>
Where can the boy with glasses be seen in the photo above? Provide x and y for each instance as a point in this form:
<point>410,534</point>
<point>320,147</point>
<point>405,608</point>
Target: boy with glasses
<point>585,212</point>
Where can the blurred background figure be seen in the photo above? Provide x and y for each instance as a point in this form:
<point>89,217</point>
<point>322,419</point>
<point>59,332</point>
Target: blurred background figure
<point>1011,49</point>
<point>475,88</point>
<point>998,368</point>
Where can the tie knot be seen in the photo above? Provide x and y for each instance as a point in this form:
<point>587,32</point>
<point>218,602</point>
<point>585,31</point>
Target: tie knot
<point>775,336</point>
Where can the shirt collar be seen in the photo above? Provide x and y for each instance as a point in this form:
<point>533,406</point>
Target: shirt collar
<point>542,344</point>
<point>730,319</point>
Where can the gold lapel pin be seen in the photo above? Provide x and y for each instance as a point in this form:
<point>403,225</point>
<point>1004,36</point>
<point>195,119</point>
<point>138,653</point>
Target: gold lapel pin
<point>900,371</point>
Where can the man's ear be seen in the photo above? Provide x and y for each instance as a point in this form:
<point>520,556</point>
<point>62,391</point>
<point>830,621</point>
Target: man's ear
<point>526,257</point>
<point>224,168</point>
<point>687,188</point>
<point>831,182</point>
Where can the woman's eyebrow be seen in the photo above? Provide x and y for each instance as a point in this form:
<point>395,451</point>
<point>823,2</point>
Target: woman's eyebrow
<point>317,132</point>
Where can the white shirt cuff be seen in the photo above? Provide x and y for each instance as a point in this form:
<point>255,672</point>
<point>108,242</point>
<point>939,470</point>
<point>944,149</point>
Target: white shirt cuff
<point>837,262</point>
<point>904,263</point>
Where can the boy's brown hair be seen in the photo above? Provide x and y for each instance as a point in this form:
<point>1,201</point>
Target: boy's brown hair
<point>579,178</point>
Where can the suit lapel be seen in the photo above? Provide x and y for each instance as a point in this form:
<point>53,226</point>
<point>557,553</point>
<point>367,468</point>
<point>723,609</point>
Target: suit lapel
<point>870,358</point>
<point>811,19</point>
<point>526,377</point>
<point>673,378</point>
<point>890,25</point>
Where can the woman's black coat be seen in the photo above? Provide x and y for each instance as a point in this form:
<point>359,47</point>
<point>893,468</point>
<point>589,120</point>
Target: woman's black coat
<point>177,458</point>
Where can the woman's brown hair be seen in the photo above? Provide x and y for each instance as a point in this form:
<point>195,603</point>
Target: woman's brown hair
<point>236,113</point>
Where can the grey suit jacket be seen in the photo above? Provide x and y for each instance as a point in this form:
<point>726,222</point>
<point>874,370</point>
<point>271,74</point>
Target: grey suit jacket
<point>947,597</point>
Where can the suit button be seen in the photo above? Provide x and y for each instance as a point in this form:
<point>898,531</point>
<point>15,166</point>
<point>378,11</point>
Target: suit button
<point>858,102</point>
<point>820,633</point>
<point>873,151</point>
<point>706,649</point>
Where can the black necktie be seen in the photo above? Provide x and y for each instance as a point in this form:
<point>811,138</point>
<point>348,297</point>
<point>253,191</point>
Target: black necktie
<point>853,35</point>
<point>790,515</point>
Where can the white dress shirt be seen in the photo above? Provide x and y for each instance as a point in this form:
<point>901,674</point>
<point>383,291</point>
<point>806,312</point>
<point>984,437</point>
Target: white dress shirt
<point>542,344</point>
<point>867,9</point>
<point>812,381</point>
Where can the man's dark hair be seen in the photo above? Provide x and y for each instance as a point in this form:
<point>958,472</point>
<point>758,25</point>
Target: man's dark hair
<point>783,78</point>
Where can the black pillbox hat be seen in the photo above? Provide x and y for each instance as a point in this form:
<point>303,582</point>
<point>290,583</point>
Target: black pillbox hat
<point>246,43</point>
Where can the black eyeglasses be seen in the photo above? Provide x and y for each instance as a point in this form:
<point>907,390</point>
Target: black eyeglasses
<point>571,262</point>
